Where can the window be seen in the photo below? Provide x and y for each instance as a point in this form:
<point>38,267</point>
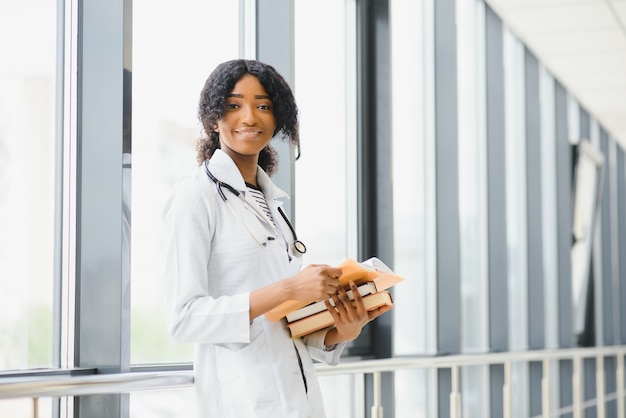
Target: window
<point>413,154</point>
<point>168,74</point>
<point>412,99</point>
<point>164,403</point>
<point>472,177</point>
<point>516,216</point>
<point>325,91</point>
<point>27,183</point>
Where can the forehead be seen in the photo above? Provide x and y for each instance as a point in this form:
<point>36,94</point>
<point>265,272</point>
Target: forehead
<point>248,84</point>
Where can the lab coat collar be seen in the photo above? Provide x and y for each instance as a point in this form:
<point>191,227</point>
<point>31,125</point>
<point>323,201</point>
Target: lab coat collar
<point>224,168</point>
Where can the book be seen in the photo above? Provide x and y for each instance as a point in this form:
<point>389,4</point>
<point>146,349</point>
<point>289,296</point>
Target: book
<point>315,307</point>
<point>324,319</point>
<point>370,270</point>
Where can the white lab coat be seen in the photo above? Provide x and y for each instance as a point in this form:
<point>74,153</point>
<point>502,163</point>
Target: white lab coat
<point>242,368</point>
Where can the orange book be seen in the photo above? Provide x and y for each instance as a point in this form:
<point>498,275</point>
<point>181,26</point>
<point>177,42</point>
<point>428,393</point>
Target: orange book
<point>371,270</point>
<point>324,319</point>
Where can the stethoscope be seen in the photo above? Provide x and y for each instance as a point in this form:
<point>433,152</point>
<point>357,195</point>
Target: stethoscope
<point>297,247</point>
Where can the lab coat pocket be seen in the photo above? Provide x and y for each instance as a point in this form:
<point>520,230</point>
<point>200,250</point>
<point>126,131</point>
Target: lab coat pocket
<point>245,372</point>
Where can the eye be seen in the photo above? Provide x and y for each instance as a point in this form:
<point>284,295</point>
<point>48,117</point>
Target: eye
<point>265,107</point>
<point>231,106</point>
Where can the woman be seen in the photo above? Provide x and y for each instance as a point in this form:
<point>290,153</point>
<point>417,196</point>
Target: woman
<point>229,260</point>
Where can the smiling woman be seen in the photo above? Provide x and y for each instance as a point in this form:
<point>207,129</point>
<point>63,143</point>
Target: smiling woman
<point>241,95</point>
<point>221,282</point>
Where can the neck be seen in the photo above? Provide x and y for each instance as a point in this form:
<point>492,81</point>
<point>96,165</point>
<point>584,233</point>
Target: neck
<point>247,168</point>
<point>247,164</point>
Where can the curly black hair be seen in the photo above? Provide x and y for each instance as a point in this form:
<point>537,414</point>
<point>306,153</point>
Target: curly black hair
<point>212,106</point>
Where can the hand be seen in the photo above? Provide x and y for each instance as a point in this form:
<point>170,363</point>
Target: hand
<point>314,283</point>
<point>350,318</point>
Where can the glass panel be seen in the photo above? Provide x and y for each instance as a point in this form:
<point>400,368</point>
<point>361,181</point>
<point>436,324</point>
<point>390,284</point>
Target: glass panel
<point>27,173</point>
<point>573,120</point>
<point>325,97</point>
<point>516,191</point>
<point>612,176</point>
<point>516,217</point>
<point>520,406</point>
<point>413,169</point>
<point>619,302</point>
<point>549,231</point>
<point>168,74</point>
<point>598,278</point>
<point>170,403</point>
<point>410,399</point>
<point>26,408</point>
<point>475,387</point>
<point>549,207</point>
<point>344,395</point>
<point>472,175</point>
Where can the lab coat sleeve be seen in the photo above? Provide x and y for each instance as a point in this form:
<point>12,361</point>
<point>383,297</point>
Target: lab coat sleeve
<point>315,345</point>
<point>193,315</point>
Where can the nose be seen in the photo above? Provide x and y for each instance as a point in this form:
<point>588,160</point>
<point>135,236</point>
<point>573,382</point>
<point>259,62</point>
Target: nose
<point>249,115</point>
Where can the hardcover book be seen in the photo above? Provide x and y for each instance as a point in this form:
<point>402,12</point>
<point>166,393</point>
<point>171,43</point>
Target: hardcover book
<point>372,270</point>
<point>324,319</point>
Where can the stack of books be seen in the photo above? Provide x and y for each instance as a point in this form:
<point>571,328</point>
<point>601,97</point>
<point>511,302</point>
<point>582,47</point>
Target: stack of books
<point>372,278</point>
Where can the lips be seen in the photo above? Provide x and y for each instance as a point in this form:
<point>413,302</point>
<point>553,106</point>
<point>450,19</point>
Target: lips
<point>248,132</point>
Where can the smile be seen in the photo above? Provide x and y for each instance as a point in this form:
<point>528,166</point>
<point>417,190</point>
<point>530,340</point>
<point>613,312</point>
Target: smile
<point>249,133</point>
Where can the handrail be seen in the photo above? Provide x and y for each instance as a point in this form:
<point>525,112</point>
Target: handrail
<point>58,386</point>
<point>449,361</point>
<point>453,362</point>
<point>53,386</point>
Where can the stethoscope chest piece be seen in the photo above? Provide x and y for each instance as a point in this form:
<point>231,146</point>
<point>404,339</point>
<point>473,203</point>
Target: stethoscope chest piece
<point>298,247</point>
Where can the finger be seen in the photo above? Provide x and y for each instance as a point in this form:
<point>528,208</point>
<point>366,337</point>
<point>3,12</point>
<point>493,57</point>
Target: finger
<point>330,289</point>
<point>375,313</point>
<point>347,309</point>
<point>355,291</point>
<point>331,310</point>
<point>358,305</point>
<point>334,282</point>
<point>334,272</point>
<point>340,304</point>
<point>345,299</point>
<point>355,307</point>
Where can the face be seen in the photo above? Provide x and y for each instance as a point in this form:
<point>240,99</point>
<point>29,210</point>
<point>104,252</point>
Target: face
<point>248,123</point>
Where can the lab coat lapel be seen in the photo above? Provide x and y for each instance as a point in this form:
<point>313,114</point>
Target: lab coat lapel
<point>226,171</point>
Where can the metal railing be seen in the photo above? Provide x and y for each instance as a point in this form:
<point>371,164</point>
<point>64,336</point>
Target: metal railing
<point>455,362</point>
<point>60,386</point>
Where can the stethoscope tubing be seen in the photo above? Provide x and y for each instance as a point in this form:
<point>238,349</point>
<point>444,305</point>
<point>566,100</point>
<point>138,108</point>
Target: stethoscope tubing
<point>297,246</point>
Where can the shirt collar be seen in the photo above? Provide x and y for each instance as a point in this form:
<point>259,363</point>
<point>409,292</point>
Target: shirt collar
<point>224,169</point>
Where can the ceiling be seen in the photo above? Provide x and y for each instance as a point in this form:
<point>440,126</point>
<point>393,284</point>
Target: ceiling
<point>583,44</point>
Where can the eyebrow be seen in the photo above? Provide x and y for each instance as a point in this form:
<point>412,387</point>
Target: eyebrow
<point>258,96</point>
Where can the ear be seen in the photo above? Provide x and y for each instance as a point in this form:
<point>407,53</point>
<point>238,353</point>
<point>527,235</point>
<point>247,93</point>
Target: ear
<point>215,128</point>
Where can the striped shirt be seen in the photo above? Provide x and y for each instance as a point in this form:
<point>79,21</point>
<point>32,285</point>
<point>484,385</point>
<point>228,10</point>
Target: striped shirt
<point>257,195</point>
